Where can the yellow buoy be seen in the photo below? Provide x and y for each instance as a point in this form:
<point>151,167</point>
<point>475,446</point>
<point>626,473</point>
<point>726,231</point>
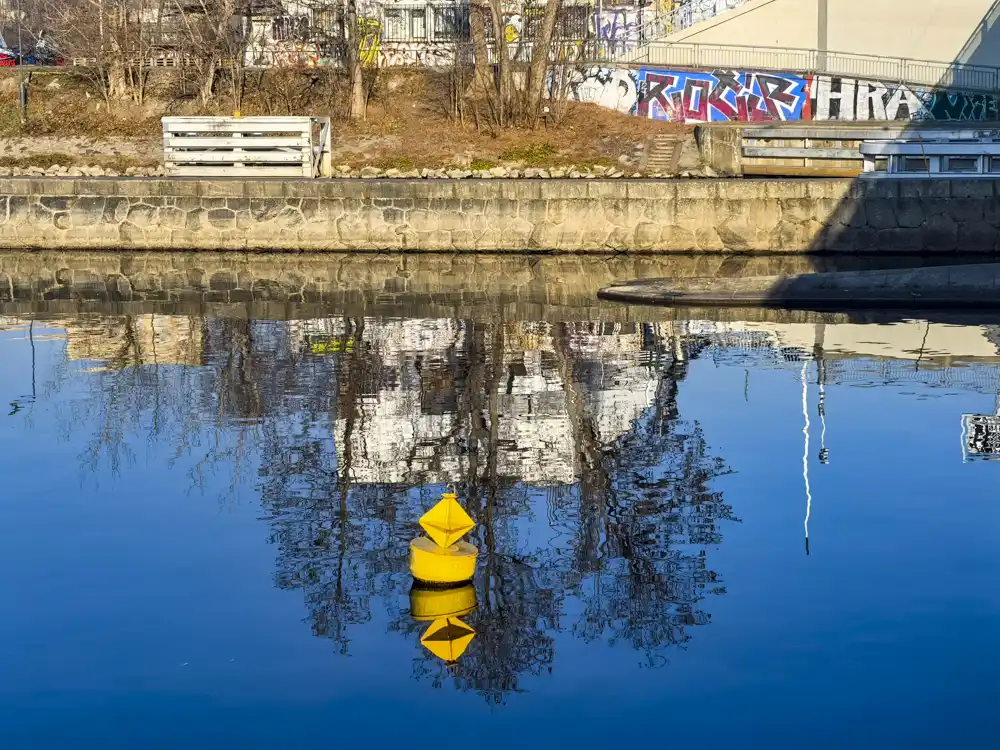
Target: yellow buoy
<point>443,565</point>
<point>431,603</point>
<point>443,559</point>
<point>447,522</point>
<point>447,638</point>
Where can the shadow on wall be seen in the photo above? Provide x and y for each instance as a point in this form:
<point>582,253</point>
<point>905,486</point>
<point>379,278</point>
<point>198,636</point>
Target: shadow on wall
<point>944,218</point>
<point>983,45</point>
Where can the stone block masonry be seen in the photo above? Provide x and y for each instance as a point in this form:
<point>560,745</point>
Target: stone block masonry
<point>586,216</point>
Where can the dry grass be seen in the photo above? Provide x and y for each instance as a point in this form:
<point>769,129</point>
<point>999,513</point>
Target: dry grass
<point>45,160</point>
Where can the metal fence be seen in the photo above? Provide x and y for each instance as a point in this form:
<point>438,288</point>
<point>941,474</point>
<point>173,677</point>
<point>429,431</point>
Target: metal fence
<point>701,56</point>
<point>853,65</point>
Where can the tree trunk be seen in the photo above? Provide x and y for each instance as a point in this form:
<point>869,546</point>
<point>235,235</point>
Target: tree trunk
<point>117,87</point>
<point>538,73</point>
<point>358,98</point>
<point>238,70</point>
<point>482,80</point>
<point>506,73</point>
<point>208,83</point>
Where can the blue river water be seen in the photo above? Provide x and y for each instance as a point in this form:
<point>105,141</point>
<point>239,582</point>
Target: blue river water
<point>694,533</point>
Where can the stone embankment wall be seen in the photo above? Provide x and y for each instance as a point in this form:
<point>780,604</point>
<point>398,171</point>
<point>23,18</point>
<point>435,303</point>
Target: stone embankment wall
<point>597,216</point>
<point>285,286</point>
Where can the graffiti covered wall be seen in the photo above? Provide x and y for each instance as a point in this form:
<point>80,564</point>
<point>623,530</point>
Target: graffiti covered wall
<point>723,95</point>
<point>757,96</point>
<point>854,99</point>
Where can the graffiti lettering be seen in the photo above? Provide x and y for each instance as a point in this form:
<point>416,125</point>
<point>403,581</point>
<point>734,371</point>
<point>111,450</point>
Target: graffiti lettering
<point>621,27</point>
<point>417,54</point>
<point>369,40</point>
<point>723,95</point>
<point>614,88</point>
<point>290,28</point>
<point>747,96</point>
<point>848,99</point>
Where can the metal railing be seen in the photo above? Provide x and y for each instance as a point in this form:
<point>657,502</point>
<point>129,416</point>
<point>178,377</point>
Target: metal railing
<point>675,54</point>
<point>788,59</point>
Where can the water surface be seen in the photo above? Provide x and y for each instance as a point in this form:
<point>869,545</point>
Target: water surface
<point>758,528</point>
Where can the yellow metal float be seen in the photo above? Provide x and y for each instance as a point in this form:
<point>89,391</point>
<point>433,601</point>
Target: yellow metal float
<point>443,559</point>
<point>441,565</point>
<point>447,636</point>
<point>428,603</point>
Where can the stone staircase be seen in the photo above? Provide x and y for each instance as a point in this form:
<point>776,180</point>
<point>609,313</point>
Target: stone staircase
<point>672,155</point>
<point>663,153</point>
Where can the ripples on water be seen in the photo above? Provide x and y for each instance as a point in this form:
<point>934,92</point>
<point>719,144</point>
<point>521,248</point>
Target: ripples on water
<point>687,528</point>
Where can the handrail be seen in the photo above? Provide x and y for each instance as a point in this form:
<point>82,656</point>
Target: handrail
<point>907,71</point>
<point>791,59</point>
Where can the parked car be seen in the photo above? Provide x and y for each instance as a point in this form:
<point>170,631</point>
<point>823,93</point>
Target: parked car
<point>38,57</point>
<point>41,53</point>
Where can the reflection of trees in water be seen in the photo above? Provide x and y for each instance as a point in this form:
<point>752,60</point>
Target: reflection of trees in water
<point>630,535</point>
<point>624,541</point>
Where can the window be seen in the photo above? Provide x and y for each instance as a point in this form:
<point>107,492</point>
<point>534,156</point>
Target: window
<point>914,164</point>
<point>573,22</point>
<point>418,24</point>
<point>451,23</point>
<point>395,24</point>
<point>961,164</point>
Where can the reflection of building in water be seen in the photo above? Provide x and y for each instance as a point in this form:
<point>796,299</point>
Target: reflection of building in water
<point>981,435</point>
<point>964,357</point>
<point>121,341</point>
<point>565,444</point>
<point>409,430</point>
<point>957,356</point>
<point>592,496</point>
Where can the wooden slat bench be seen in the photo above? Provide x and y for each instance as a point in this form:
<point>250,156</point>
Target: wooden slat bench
<point>247,146</point>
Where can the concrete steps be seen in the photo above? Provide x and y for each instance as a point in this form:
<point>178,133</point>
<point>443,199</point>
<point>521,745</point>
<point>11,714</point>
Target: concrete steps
<point>662,154</point>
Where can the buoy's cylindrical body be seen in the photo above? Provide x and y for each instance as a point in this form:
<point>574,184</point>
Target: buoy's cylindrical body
<point>428,603</point>
<point>442,565</point>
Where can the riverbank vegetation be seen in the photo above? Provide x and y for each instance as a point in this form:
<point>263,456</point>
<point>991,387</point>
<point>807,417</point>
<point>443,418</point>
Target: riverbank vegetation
<point>408,122</point>
<point>495,93</point>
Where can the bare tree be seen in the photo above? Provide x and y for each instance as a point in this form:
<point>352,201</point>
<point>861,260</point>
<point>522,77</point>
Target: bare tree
<point>114,36</point>
<point>359,101</point>
<point>214,37</point>
<point>511,72</point>
<point>538,72</point>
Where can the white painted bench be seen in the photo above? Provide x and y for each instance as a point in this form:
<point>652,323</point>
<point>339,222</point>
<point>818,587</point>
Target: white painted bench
<point>247,146</point>
<point>964,154</point>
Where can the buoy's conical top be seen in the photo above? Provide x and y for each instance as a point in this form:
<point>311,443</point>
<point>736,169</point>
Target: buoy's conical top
<point>447,638</point>
<point>447,522</point>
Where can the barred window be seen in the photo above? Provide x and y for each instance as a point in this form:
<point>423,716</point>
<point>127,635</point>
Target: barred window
<point>395,24</point>
<point>451,23</point>
<point>573,22</point>
<point>418,24</point>
<point>290,28</point>
<point>325,20</point>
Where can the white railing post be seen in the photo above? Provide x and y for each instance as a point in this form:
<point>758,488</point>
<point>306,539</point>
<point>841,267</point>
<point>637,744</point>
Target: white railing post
<point>327,143</point>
